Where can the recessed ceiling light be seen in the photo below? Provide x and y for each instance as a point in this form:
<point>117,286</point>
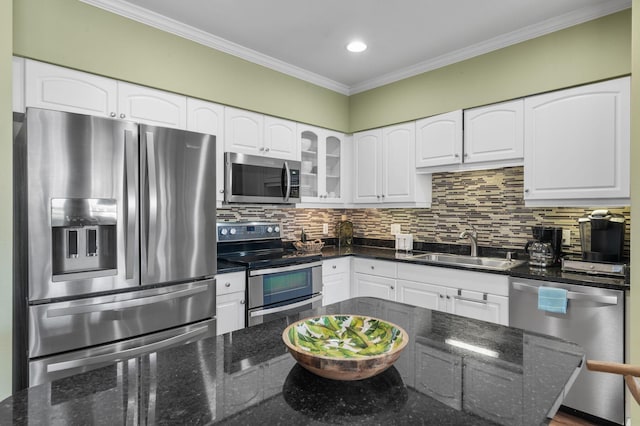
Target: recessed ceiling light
<point>356,47</point>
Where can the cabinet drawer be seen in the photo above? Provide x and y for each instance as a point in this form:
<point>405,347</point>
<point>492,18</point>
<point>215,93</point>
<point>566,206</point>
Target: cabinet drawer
<point>230,283</point>
<point>335,266</point>
<point>375,267</point>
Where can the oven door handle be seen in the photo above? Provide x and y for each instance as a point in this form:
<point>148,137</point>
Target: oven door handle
<point>286,307</point>
<point>289,268</point>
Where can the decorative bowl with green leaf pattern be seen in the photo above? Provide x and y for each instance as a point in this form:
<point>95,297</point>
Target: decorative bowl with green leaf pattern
<point>345,347</point>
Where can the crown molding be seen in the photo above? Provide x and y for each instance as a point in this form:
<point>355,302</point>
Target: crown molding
<point>161,22</point>
<point>523,34</point>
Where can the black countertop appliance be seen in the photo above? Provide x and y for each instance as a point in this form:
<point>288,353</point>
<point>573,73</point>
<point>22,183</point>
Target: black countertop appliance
<point>602,236</point>
<point>546,248</point>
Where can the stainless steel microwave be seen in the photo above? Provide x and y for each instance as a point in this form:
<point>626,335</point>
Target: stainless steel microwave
<point>252,179</point>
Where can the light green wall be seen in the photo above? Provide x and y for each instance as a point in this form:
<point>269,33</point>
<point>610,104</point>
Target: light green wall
<point>635,197</point>
<point>592,51</point>
<point>6,199</point>
<point>77,35</point>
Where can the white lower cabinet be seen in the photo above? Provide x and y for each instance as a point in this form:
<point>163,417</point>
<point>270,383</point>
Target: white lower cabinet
<point>478,305</point>
<point>336,285</point>
<point>230,302</point>
<point>374,278</point>
<point>471,294</point>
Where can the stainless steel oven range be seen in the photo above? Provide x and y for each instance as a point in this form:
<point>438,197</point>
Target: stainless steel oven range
<point>280,281</point>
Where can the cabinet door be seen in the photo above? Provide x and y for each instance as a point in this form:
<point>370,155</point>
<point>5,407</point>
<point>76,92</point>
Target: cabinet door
<point>335,288</point>
<point>577,145</point>
<point>281,139</point>
<point>374,286</point>
<point>62,89</point>
<point>398,159</point>
<point>208,117</point>
<point>334,162</point>
<point>494,132</point>
<point>439,140</point>
<point>243,131</point>
<point>17,73</point>
<point>420,294</point>
<point>368,166</point>
<point>439,375</point>
<point>150,106</point>
<point>311,151</point>
<point>504,404</point>
<point>230,312</point>
<point>473,304</point>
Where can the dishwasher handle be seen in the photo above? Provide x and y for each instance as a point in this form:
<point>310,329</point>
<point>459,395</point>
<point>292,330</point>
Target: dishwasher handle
<point>573,295</point>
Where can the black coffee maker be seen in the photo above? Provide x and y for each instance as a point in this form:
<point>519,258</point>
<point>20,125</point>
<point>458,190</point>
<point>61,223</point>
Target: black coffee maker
<point>546,249</point>
<point>602,236</point>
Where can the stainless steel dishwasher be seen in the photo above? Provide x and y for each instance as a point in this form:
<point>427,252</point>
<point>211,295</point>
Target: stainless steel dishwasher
<point>595,321</point>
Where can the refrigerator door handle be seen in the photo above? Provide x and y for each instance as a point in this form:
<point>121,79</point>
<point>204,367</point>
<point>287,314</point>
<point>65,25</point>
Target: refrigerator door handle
<point>573,295</point>
<point>125,304</point>
<point>127,353</point>
<point>131,213</point>
<point>152,192</point>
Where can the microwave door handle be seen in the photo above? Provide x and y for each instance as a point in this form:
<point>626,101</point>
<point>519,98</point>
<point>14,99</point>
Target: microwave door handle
<point>287,178</point>
<point>152,193</point>
<point>131,212</point>
<point>127,353</point>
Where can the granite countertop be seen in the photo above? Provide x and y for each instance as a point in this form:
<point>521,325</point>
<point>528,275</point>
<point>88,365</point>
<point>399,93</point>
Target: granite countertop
<point>454,370</point>
<point>523,271</point>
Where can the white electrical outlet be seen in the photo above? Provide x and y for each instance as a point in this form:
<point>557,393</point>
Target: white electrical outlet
<point>395,228</point>
<point>325,228</point>
<point>566,237</point>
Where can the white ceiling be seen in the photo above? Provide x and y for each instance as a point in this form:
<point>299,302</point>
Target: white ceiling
<point>307,39</point>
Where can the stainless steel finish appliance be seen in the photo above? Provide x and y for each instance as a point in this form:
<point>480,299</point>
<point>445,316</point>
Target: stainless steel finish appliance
<point>260,180</point>
<point>280,281</point>
<point>116,239</point>
<point>546,249</point>
<point>594,320</point>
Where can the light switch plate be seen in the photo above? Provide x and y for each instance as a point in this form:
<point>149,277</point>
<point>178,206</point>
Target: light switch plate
<point>566,237</point>
<point>395,228</point>
<point>325,228</point>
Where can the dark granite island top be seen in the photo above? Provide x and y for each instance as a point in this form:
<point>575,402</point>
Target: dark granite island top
<point>454,371</point>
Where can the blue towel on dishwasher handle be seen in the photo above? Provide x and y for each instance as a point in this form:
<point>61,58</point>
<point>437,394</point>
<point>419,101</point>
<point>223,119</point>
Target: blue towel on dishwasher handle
<point>552,299</point>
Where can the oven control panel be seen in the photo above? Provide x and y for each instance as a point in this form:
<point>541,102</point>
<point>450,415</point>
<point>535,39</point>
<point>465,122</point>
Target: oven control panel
<point>248,231</point>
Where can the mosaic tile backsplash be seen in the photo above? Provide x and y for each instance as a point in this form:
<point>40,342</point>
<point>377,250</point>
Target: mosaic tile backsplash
<point>490,200</point>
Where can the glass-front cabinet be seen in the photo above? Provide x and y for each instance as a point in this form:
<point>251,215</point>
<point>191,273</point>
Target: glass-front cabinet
<point>323,159</point>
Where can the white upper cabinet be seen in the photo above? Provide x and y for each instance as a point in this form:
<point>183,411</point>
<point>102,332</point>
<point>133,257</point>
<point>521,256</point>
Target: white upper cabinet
<point>494,133</point>
<point>58,88</point>
<point>385,168</point>
<point>151,106</point>
<point>323,155</point>
<point>17,73</point>
<point>208,117</point>
<point>398,163</point>
<point>252,133</point>
<point>577,145</point>
<point>281,138</point>
<point>63,89</point>
<point>439,140</point>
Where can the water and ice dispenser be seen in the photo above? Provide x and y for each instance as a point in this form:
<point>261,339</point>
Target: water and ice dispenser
<point>84,237</point>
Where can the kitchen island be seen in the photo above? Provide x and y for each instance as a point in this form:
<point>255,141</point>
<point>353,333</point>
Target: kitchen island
<point>454,370</point>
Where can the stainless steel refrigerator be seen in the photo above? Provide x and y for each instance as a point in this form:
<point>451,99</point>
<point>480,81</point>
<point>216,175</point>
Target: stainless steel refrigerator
<point>115,241</point>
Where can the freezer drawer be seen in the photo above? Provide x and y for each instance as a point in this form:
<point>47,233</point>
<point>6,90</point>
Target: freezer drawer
<point>71,325</point>
<point>59,366</point>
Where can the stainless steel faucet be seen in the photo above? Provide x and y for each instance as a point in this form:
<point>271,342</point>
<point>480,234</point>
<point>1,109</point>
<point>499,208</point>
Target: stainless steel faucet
<point>473,236</point>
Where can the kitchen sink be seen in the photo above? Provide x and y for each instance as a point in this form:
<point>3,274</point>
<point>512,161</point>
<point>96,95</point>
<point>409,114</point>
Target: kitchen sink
<point>492,263</point>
